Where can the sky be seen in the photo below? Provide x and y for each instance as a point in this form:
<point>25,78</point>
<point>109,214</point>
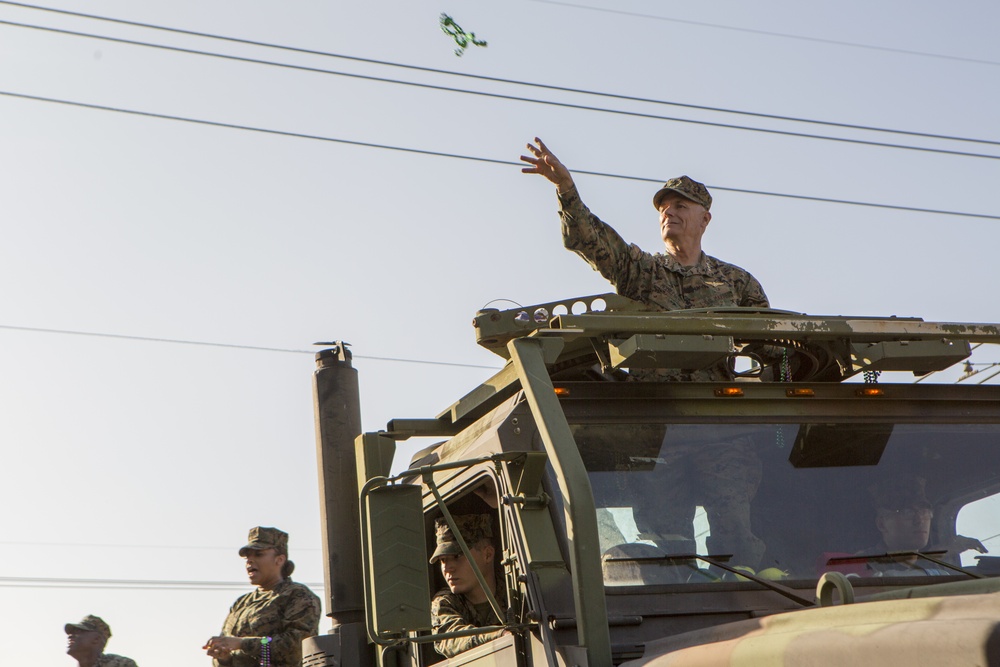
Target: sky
<point>166,275</point>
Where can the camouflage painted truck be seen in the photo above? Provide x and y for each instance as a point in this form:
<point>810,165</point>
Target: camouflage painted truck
<point>799,513</point>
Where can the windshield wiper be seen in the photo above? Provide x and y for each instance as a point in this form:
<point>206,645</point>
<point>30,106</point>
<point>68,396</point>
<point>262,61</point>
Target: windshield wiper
<point>719,561</point>
<point>894,556</point>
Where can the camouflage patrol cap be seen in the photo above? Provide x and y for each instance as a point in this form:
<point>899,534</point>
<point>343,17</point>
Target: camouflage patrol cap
<point>474,528</point>
<point>261,538</point>
<point>687,188</point>
<point>902,493</point>
<point>90,623</point>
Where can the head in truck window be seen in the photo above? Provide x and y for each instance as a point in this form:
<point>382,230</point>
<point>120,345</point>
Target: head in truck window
<point>477,531</point>
<point>464,605</point>
<point>903,514</point>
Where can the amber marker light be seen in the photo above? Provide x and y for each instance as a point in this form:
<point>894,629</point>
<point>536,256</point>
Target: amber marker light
<point>870,392</point>
<point>729,392</point>
<point>799,393</point>
<point>562,392</point>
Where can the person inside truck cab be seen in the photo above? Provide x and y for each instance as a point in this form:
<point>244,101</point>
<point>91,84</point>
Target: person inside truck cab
<point>903,516</point>
<point>463,605</point>
<point>681,277</point>
<point>723,477</point>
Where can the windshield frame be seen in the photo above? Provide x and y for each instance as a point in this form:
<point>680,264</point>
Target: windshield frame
<point>767,403</point>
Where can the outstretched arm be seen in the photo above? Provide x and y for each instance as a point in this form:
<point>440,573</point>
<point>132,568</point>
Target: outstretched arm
<point>544,162</point>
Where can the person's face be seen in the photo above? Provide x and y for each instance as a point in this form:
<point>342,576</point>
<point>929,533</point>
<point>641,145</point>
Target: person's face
<point>682,219</point>
<point>905,529</point>
<point>83,643</point>
<point>458,574</point>
<point>264,566</point>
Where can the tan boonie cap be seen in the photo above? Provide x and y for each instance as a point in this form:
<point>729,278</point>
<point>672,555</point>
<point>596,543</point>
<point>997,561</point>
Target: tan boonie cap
<point>687,188</point>
<point>261,538</point>
<point>900,494</point>
<point>474,528</point>
<point>90,623</point>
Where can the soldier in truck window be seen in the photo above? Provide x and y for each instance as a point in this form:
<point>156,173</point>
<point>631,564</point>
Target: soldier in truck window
<point>903,517</point>
<point>464,605</point>
<point>683,276</point>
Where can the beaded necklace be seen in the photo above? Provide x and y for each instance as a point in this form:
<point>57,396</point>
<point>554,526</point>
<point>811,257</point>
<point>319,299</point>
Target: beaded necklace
<point>265,652</point>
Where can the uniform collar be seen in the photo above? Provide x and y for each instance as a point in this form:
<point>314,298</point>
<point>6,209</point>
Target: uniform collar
<point>705,265</point>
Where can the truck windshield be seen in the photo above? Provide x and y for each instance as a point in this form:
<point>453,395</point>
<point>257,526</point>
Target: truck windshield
<point>791,501</point>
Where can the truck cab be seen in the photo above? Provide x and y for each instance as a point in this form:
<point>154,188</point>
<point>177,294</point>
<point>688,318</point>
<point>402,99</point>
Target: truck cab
<point>795,511</point>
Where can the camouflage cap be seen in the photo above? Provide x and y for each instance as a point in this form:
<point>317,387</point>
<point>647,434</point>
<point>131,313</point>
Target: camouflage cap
<point>90,623</point>
<point>474,528</point>
<point>898,494</point>
<point>261,538</point>
<point>687,188</point>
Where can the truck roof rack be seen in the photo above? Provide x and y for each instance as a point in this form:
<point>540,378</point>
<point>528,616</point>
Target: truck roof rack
<point>611,332</point>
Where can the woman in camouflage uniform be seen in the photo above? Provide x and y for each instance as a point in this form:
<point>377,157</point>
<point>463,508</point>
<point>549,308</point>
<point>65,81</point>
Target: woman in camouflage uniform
<point>266,626</point>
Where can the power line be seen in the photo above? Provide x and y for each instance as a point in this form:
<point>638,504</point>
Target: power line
<point>175,341</point>
<point>127,584</point>
<point>514,98</point>
<point>91,545</point>
<point>769,33</point>
<point>419,151</point>
<point>446,72</point>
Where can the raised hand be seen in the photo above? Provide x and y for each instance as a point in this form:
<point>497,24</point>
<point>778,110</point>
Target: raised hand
<point>544,162</point>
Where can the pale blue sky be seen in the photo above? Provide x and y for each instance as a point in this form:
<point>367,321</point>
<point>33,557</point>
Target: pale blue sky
<point>141,460</point>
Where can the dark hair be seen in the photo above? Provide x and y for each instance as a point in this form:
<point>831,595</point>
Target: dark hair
<point>287,568</point>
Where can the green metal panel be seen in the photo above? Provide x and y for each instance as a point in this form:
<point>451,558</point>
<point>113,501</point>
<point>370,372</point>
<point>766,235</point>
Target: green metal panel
<point>529,356</point>
<point>921,356</point>
<point>399,583</point>
<point>651,351</point>
<point>374,456</point>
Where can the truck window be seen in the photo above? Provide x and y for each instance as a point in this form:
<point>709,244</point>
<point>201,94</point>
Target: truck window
<point>979,518</point>
<point>791,501</point>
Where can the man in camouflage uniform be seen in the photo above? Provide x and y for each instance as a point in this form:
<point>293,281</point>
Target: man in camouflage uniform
<point>903,517</point>
<point>267,625</point>
<point>682,277</point>
<point>86,643</point>
<point>464,605</point>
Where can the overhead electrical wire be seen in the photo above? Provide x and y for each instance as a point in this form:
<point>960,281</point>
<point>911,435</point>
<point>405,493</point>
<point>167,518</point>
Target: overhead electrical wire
<point>420,151</point>
<point>126,584</point>
<point>770,33</point>
<point>448,72</point>
<point>175,341</point>
<point>158,547</point>
<point>514,98</point>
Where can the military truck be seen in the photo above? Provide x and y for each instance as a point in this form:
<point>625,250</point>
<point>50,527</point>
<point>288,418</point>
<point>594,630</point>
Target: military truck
<point>796,511</point>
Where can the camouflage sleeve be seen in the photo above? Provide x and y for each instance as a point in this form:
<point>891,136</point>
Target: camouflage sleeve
<point>752,295</point>
<point>599,244</point>
<point>449,615</point>
<point>297,618</point>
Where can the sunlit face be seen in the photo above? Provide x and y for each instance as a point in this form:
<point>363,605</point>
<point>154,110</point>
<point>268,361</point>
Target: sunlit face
<point>82,643</point>
<point>458,573</point>
<point>681,220</point>
<point>264,567</point>
<point>905,529</point>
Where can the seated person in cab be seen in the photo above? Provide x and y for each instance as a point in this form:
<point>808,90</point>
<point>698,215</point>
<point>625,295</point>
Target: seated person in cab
<point>464,605</point>
<point>903,516</point>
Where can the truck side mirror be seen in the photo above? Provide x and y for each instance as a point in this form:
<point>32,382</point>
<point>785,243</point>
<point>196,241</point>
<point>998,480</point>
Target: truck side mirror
<point>396,581</point>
